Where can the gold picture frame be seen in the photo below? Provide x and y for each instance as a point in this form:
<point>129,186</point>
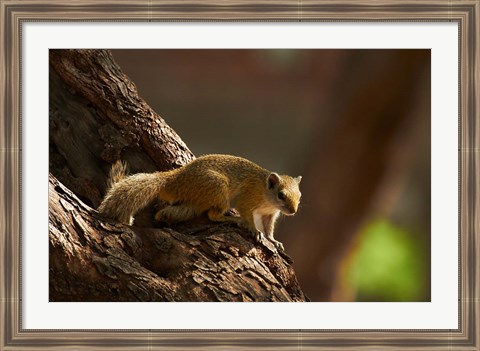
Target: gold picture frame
<point>14,13</point>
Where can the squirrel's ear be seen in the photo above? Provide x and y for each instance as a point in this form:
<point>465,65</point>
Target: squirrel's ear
<point>298,179</point>
<point>273,180</point>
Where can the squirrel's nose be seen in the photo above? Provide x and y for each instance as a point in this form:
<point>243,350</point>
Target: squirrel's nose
<point>289,209</point>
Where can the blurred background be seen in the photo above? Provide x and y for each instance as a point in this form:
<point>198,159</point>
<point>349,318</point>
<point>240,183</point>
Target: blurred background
<point>354,123</point>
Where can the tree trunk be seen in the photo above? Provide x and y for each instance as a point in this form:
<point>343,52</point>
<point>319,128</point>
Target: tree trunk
<point>96,118</point>
<point>92,259</point>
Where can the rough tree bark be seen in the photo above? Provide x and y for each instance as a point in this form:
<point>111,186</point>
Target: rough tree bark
<point>97,117</point>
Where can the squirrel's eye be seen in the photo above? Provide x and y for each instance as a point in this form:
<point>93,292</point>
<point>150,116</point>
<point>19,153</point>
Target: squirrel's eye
<point>281,196</point>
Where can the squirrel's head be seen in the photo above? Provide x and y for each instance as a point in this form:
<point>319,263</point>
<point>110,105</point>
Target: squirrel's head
<point>284,192</point>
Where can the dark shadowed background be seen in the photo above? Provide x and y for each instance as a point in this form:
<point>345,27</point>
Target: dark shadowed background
<point>354,123</point>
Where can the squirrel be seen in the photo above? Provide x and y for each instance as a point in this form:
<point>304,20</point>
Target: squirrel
<point>211,184</point>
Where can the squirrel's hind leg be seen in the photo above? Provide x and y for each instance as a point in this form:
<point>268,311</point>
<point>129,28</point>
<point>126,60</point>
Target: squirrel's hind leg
<point>219,215</point>
<point>175,214</point>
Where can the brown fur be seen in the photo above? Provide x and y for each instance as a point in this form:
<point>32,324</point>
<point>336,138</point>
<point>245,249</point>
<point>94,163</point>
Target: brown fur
<point>117,173</point>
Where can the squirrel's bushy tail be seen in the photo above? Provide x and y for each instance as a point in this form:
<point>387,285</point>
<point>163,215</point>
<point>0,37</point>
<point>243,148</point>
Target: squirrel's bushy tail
<point>117,173</point>
<point>129,194</point>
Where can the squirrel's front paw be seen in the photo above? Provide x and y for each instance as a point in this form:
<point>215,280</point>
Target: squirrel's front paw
<point>258,236</point>
<point>277,244</point>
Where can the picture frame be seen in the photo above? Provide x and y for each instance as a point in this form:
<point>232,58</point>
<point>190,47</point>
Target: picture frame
<point>15,13</point>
